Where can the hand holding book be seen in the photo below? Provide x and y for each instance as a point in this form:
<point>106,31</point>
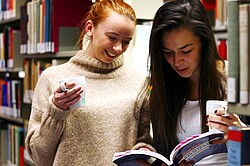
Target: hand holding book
<point>189,151</point>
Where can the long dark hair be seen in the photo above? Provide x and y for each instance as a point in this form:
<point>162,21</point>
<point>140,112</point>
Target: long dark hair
<point>170,91</point>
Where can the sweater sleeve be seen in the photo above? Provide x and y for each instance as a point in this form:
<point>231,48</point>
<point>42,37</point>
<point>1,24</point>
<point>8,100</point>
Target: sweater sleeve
<point>46,125</point>
<point>143,115</point>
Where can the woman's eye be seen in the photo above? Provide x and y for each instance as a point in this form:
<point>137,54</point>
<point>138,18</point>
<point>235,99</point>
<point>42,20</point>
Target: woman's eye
<point>112,38</point>
<point>126,42</point>
<point>186,52</point>
<point>168,53</point>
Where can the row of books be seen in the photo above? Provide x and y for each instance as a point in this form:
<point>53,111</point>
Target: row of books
<point>10,49</point>
<point>10,9</point>
<point>217,11</point>
<point>33,69</point>
<point>238,53</point>
<point>12,144</point>
<point>10,103</point>
<point>51,25</point>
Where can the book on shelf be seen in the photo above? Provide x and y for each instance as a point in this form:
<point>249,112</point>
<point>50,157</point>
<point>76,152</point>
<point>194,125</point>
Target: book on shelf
<point>238,146</point>
<point>33,69</point>
<point>193,148</point>
<point>23,29</point>
<point>243,53</point>
<point>52,25</point>
<point>15,59</point>
<point>233,52</point>
<point>10,102</point>
<point>221,14</point>
<point>27,82</point>
<point>10,9</point>
<point>15,145</point>
<point>10,49</point>
<point>3,143</point>
<point>16,99</point>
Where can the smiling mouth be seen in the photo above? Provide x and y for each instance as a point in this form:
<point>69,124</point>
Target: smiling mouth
<point>110,54</point>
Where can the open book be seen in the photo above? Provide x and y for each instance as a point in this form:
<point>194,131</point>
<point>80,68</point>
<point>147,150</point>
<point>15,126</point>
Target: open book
<point>192,148</point>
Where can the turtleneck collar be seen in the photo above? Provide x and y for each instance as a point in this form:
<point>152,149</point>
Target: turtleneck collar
<point>95,66</point>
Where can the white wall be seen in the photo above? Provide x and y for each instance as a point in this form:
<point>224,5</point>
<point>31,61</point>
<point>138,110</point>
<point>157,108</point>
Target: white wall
<point>137,53</point>
<point>145,9</point>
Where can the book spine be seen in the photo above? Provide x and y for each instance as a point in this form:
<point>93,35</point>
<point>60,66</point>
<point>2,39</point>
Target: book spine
<point>243,53</point>
<point>233,51</point>
<point>23,29</point>
<point>4,143</point>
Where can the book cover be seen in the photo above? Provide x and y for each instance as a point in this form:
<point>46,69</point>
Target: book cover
<point>238,146</point>
<point>193,148</point>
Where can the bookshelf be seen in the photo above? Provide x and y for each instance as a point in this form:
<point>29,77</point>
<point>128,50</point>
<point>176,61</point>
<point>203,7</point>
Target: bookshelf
<point>12,114</point>
<point>48,36</point>
<point>234,49</point>
<point>51,26</point>
<point>16,27</point>
<point>8,110</point>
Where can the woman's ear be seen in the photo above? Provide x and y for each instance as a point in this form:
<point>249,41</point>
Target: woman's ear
<point>89,28</point>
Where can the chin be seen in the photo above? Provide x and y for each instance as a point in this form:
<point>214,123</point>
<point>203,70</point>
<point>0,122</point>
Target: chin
<point>184,75</point>
<point>108,60</point>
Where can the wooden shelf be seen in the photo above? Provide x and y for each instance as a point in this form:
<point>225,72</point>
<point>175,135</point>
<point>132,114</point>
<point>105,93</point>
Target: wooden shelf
<point>11,119</point>
<point>63,54</point>
<point>14,74</point>
<point>13,22</point>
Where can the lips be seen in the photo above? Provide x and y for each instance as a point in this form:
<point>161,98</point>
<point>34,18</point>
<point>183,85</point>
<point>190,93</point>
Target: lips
<point>182,69</point>
<point>111,55</point>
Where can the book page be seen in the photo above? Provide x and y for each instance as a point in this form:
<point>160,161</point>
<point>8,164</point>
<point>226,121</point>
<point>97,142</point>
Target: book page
<point>193,148</point>
<point>198,147</point>
<point>128,158</point>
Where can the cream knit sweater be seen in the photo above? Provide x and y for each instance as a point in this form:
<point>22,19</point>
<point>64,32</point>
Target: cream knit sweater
<point>90,135</point>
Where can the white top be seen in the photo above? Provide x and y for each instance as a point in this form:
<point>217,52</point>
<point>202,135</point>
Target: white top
<point>190,125</point>
<point>190,121</point>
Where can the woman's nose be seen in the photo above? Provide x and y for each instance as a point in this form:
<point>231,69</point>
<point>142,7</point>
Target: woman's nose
<point>117,47</point>
<point>177,59</point>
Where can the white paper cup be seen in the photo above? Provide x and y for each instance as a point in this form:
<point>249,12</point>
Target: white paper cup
<point>212,105</point>
<point>79,81</point>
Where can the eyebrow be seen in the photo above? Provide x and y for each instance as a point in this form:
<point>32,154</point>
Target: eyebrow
<point>180,47</point>
<point>113,33</point>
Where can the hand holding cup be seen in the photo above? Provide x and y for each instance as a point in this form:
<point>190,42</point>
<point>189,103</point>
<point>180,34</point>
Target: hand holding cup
<point>71,93</point>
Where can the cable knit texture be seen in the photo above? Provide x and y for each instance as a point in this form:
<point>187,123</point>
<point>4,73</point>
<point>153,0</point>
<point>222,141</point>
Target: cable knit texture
<point>90,135</point>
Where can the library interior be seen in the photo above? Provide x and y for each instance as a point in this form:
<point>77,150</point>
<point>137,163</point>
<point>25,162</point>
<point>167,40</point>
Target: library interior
<point>39,34</point>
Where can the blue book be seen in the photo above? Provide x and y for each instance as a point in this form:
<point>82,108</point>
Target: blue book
<point>238,146</point>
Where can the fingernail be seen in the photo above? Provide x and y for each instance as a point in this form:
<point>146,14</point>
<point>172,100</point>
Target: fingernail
<point>215,111</point>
